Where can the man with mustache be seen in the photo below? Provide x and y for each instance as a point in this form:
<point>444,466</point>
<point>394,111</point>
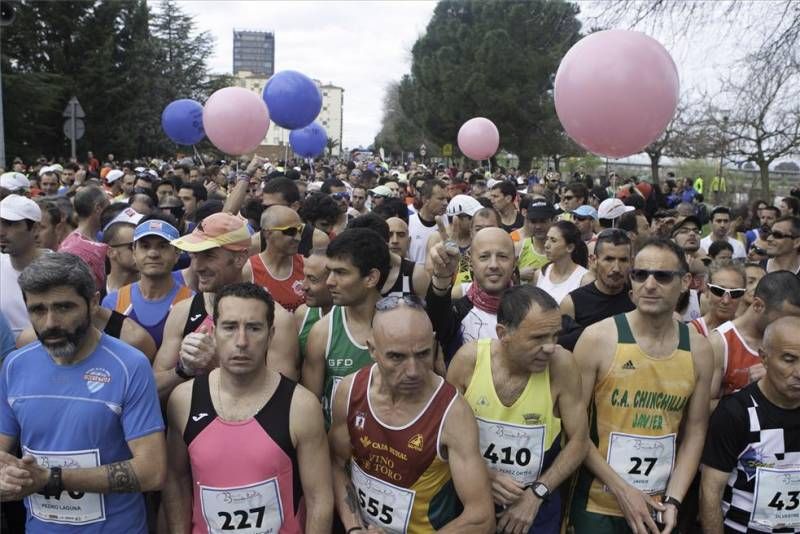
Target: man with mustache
<point>83,407</point>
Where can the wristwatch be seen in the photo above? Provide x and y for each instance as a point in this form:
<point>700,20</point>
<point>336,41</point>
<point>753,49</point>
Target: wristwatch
<point>671,500</point>
<point>55,485</point>
<point>540,490</point>
<point>181,371</point>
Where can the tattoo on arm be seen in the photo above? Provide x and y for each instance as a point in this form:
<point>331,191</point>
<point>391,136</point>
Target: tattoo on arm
<point>122,478</point>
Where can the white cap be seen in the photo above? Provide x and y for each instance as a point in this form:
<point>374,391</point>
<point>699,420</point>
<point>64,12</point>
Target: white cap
<point>492,182</point>
<point>128,216</point>
<point>56,167</point>
<point>611,208</point>
<point>114,175</point>
<point>18,208</point>
<point>14,181</point>
<point>46,168</point>
<point>463,204</point>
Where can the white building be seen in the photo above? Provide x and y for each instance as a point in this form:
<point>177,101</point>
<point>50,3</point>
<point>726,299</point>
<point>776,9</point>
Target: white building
<point>330,116</point>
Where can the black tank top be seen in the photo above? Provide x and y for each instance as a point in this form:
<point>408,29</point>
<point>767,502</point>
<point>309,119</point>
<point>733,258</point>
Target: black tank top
<point>306,240</point>
<point>273,417</point>
<point>404,285</point>
<point>592,305</point>
<point>197,314</point>
<point>114,325</point>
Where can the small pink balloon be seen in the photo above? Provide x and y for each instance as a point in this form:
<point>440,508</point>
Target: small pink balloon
<point>236,120</point>
<point>478,138</point>
<point>616,91</point>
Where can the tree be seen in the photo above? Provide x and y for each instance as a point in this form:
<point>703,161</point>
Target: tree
<point>763,124</point>
<point>399,134</point>
<point>491,58</point>
<point>330,144</point>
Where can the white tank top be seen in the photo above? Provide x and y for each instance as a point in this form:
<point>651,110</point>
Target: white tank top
<point>11,302</point>
<point>562,289</point>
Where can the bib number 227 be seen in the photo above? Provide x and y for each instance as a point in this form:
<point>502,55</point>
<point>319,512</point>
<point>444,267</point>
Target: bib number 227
<point>243,517</point>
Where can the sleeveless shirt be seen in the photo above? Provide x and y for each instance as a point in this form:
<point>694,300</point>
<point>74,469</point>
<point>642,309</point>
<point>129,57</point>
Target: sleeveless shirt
<point>404,285</point>
<point>737,359</point>
<point>561,289</point>
<point>287,292</point>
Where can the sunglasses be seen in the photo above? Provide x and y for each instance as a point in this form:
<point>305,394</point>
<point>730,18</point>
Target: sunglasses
<point>342,195</point>
<point>661,277</point>
<point>720,291</point>
<point>777,234</point>
<point>393,301</point>
<point>288,231</point>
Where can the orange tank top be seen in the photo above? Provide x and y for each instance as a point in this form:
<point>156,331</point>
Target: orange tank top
<point>287,292</point>
<point>738,358</point>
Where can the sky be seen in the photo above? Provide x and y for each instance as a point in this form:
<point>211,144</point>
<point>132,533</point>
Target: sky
<point>363,46</point>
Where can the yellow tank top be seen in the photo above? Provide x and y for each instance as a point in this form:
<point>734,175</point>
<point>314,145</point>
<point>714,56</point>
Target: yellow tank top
<point>635,414</point>
<point>528,257</point>
<point>520,440</point>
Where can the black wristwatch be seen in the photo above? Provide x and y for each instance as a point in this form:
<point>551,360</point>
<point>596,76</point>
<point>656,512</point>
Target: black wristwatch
<point>540,490</point>
<point>671,500</point>
<point>55,484</point>
<point>181,371</point>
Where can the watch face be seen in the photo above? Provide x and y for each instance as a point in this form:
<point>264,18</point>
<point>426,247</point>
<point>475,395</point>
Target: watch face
<point>540,490</point>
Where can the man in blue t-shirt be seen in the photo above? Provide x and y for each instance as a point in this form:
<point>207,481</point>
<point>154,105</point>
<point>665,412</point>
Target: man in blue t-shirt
<point>84,409</point>
<point>149,300</point>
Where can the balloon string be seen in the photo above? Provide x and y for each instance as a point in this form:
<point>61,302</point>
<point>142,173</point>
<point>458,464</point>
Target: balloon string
<point>197,154</point>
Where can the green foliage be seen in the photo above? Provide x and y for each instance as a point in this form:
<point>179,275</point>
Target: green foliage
<point>696,167</point>
<point>588,164</point>
<point>123,62</point>
<point>496,59</point>
<point>399,134</point>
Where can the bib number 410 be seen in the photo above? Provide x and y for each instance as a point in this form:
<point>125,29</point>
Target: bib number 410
<point>374,508</point>
<point>778,503</point>
<point>522,457</point>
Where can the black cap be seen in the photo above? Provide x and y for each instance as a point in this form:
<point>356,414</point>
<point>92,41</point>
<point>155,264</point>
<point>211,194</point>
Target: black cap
<point>541,209</point>
<point>687,219</point>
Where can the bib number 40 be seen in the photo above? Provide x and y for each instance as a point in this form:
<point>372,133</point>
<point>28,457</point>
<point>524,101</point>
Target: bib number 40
<point>373,507</point>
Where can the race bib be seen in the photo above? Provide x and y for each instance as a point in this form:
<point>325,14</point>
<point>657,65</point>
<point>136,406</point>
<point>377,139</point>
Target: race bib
<point>382,504</point>
<point>644,462</point>
<point>71,507</point>
<point>776,503</point>
<point>516,450</point>
<point>253,509</point>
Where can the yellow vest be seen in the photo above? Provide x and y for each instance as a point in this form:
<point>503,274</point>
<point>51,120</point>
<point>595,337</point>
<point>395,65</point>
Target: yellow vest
<point>528,257</point>
<point>514,439</point>
<point>634,417</point>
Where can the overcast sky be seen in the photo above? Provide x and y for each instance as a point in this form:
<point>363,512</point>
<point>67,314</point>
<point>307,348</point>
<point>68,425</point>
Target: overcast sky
<point>362,46</point>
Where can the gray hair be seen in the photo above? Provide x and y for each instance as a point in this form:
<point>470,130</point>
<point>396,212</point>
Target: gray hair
<point>56,270</point>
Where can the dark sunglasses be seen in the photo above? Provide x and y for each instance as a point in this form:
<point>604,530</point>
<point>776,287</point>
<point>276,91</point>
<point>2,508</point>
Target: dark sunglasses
<point>720,291</point>
<point>662,277</point>
<point>288,231</point>
<point>393,301</point>
<point>777,234</point>
<point>342,195</point>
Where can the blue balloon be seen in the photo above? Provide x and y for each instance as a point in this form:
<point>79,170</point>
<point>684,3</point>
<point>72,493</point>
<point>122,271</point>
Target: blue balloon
<point>292,98</point>
<point>182,121</point>
<point>309,141</point>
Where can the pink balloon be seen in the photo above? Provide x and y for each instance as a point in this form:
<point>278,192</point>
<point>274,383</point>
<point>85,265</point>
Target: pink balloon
<point>478,138</point>
<point>236,120</point>
<point>616,91</point>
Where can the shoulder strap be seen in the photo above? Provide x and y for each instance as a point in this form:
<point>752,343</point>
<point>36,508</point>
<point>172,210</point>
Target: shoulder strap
<point>114,325</point>
<point>683,337</point>
<point>183,293</point>
<point>124,300</point>
<point>624,334</point>
<point>201,411</point>
<point>274,416</point>
<point>197,313</point>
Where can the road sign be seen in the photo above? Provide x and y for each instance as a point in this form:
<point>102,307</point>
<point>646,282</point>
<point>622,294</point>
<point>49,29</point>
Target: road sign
<point>423,150</point>
<point>74,109</point>
<point>447,150</point>
<point>80,128</point>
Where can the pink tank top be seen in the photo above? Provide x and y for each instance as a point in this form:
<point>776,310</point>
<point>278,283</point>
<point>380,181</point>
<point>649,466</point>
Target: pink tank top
<point>245,473</point>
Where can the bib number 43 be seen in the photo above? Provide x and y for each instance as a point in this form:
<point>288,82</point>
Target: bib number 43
<point>791,503</point>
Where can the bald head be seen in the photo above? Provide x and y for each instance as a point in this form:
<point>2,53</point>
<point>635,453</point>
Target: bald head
<point>492,237</point>
<point>277,216</point>
<point>781,336</point>
<point>402,322</point>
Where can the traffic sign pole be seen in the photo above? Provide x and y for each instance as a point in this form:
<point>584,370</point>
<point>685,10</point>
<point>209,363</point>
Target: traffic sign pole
<point>74,128</point>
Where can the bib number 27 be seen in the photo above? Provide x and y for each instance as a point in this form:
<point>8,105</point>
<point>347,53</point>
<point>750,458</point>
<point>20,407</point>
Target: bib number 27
<point>637,462</point>
<point>381,512</point>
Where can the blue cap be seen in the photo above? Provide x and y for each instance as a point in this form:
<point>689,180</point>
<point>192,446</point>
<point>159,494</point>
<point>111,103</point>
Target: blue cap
<point>585,211</point>
<point>156,227</point>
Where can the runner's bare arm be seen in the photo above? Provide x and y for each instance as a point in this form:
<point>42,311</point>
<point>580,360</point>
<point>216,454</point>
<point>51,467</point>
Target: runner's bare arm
<point>718,348</point>
<point>236,196</point>
<point>177,493</point>
<point>566,377</point>
<point>307,430</point>
<point>467,467</point>
<point>320,239</point>
<point>168,354</point>
<point>568,307</point>
<point>299,314</point>
<point>284,349</point>
<point>313,375</point>
<point>462,366</point>
<point>433,239</point>
<point>422,280</point>
<point>136,336</point>
<point>341,455</point>
<point>587,278</point>
<point>712,485</point>
<point>247,272</point>
<point>695,425</point>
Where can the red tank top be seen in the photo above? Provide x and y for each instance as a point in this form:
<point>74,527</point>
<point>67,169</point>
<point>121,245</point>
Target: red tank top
<point>245,473</point>
<point>287,292</point>
<point>409,450</point>
<point>738,359</point>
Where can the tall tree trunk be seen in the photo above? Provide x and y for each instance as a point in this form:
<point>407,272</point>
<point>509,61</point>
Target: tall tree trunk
<point>763,167</point>
<point>654,159</point>
<point>525,162</point>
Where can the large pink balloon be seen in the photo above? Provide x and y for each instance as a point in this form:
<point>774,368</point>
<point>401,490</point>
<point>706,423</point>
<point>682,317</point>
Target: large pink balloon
<point>236,120</point>
<point>616,91</point>
<point>478,138</point>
